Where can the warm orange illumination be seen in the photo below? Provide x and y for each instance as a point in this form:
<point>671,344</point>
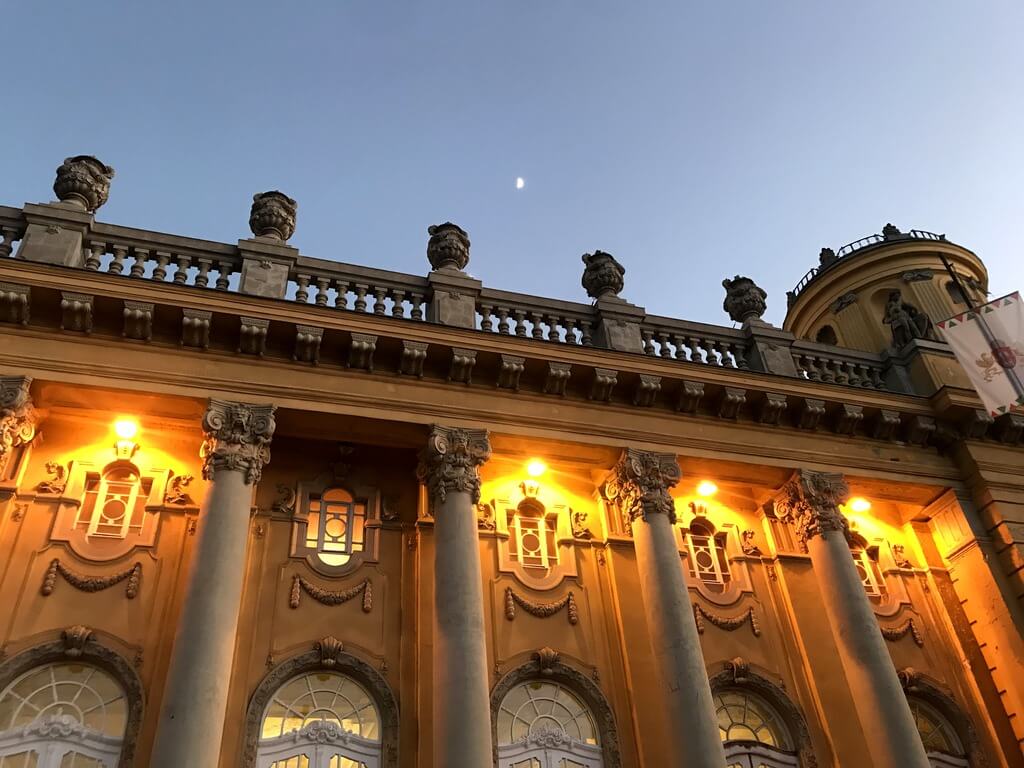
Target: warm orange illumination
<point>859,504</point>
<point>536,468</point>
<point>126,429</point>
<point>706,488</point>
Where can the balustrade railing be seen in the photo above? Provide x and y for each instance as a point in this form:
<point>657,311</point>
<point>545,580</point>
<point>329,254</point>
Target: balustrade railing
<point>693,342</point>
<point>12,229</point>
<point>835,365</point>
<point>518,314</point>
<point>359,289</point>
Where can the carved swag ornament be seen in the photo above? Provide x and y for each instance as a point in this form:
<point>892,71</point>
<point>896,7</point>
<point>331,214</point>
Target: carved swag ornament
<point>17,416</point>
<point>451,461</point>
<point>811,500</point>
<point>640,482</point>
<point>237,438</point>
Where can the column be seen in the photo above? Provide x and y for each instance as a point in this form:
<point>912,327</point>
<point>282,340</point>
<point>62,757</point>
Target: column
<point>462,713</point>
<point>191,723</point>
<point>639,486</point>
<point>811,500</point>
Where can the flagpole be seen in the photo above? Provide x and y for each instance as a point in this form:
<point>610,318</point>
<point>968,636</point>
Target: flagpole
<point>1011,374</point>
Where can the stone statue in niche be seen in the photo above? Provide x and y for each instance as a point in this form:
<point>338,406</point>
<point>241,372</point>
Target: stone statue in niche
<point>906,321</point>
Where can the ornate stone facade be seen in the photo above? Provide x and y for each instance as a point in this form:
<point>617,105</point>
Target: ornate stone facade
<point>451,461</point>
<point>17,416</point>
<point>639,484</point>
<point>237,438</point>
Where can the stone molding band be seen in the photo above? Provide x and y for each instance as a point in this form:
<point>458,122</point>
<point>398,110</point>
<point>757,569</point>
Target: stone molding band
<point>237,438</point>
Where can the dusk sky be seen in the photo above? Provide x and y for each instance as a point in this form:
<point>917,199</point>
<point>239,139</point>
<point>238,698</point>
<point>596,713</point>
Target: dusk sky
<point>693,140</point>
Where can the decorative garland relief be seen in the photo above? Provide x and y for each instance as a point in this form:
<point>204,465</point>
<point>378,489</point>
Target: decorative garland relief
<point>329,597</point>
<point>728,623</point>
<point>540,610</point>
<point>91,583</point>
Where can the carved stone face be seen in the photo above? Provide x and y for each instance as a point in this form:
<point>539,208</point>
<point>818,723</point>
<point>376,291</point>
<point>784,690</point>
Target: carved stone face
<point>448,246</point>
<point>83,180</point>
<point>744,300</point>
<point>602,275</point>
<point>272,215</point>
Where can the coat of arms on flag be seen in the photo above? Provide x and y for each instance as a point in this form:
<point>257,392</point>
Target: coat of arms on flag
<point>989,343</point>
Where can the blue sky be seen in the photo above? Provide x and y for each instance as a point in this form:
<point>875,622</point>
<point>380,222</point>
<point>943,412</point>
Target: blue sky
<point>693,140</point>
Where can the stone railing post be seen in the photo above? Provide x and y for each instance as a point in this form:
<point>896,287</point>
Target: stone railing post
<point>617,322</point>
<point>453,293</point>
<point>449,466</point>
<point>191,722</point>
<point>267,259</point>
<point>639,487</point>
<point>811,500</point>
<point>55,231</point>
<point>17,419</point>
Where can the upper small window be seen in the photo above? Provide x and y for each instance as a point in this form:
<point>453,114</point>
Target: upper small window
<point>708,561</point>
<point>827,335</point>
<point>114,504</point>
<point>335,526</point>
<point>866,560</point>
<point>532,535</point>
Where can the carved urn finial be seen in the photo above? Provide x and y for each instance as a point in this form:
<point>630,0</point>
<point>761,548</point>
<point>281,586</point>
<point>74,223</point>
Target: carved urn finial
<point>448,246</point>
<point>273,215</point>
<point>744,300</point>
<point>602,275</point>
<point>84,181</point>
<point>827,257</point>
<point>891,231</point>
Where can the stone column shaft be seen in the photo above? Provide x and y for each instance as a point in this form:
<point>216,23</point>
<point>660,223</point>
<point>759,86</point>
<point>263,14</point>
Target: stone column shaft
<point>462,713</point>
<point>192,716</point>
<point>639,486</point>
<point>812,500</point>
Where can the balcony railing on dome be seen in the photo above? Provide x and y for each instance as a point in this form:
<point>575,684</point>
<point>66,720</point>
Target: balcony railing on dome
<point>856,246</point>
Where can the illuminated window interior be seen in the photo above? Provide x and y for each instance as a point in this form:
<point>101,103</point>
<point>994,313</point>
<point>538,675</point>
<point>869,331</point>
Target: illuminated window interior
<point>336,526</point>
<point>532,535</point>
<point>115,502</point>
<point>866,560</point>
<point>707,560</point>
<point>937,734</point>
<point>542,724</point>
<point>753,733</point>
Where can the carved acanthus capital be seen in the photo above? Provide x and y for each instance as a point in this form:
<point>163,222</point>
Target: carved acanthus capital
<point>744,300</point>
<point>451,461</point>
<point>237,438</point>
<point>84,181</point>
<point>448,246</point>
<point>273,215</point>
<point>17,416</point>
<point>639,484</point>
<point>602,275</point>
<point>811,500</point>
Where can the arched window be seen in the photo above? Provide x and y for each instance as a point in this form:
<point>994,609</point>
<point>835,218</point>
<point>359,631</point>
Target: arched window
<point>826,335</point>
<point>62,716</point>
<point>542,724</point>
<point>320,720</point>
<point>940,740</point>
<point>335,526</point>
<point>866,560</point>
<point>753,734</point>
<point>532,532</point>
<point>114,504</point>
<point>708,561</point>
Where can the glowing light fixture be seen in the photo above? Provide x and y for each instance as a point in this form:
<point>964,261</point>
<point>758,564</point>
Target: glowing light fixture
<point>536,468</point>
<point>126,429</point>
<point>859,504</point>
<point>706,488</point>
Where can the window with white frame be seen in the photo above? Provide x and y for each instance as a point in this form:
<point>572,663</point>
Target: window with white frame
<point>944,748</point>
<point>335,526</point>
<point>62,716</point>
<point>114,504</point>
<point>542,724</point>
<point>707,556</point>
<point>754,735</point>
<point>532,535</point>
<point>320,720</point>
<point>866,560</point>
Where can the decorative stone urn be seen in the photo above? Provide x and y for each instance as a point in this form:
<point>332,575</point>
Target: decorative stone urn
<point>273,215</point>
<point>448,246</point>
<point>827,257</point>
<point>603,275</point>
<point>83,181</point>
<point>744,300</point>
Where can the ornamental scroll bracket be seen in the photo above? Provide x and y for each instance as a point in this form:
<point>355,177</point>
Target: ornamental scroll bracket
<point>330,597</point>
<point>540,610</point>
<point>91,583</point>
<point>728,623</point>
<point>908,627</point>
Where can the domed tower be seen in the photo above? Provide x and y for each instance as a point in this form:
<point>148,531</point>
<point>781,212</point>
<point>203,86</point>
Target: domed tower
<point>875,292</point>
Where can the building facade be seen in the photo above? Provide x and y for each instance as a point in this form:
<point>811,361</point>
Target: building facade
<point>259,509</point>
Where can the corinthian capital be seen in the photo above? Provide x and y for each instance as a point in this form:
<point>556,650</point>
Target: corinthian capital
<point>237,438</point>
<point>17,416</point>
<point>640,482</point>
<point>451,461</point>
<point>811,500</point>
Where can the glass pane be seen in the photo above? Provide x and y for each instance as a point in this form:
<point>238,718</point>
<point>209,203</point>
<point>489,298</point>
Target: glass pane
<point>20,760</point>
<point>78,760</point>
<point>298,761</point>
<point>343,762</point>
<point>81,692</point>
<point>537,707</point>
<point>742,716</point>
<point>937,734</point>
<point>322,697</point>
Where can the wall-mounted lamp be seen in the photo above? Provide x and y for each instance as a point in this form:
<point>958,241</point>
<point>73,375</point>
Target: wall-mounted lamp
<point>126,430</point>
<point>859,504</point>
<point>536,468</point>
<point>706,488</point>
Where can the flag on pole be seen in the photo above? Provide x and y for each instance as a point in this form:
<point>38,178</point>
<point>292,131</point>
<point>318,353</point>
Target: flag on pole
<point>988,341</point>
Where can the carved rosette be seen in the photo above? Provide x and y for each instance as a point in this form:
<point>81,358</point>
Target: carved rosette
<point>17,416</point>
<point>272,215</point>
<point>451,461</point>
<point>448,246</point>
<point>237,438</point>
<point>744,299</point>
<point>84,181</point>
<point>639,484</point>
<point>811,500</point>
<point>602,275</point>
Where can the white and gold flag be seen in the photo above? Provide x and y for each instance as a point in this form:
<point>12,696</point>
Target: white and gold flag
<point>989,343</point>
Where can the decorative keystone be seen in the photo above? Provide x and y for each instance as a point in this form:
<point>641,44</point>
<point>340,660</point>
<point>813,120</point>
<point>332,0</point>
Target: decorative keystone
<point>744,300</point>
<point>557,378</point>
<point>360,352</point>
<point>451,461</point>
<point>273,215</point>
<point>603,275</point>
<point>83,181</point>
<point>74,639</point>
<point>237,438</point>
<point>639,484</point>
<point>448,246</point>
<point>811,500</point>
